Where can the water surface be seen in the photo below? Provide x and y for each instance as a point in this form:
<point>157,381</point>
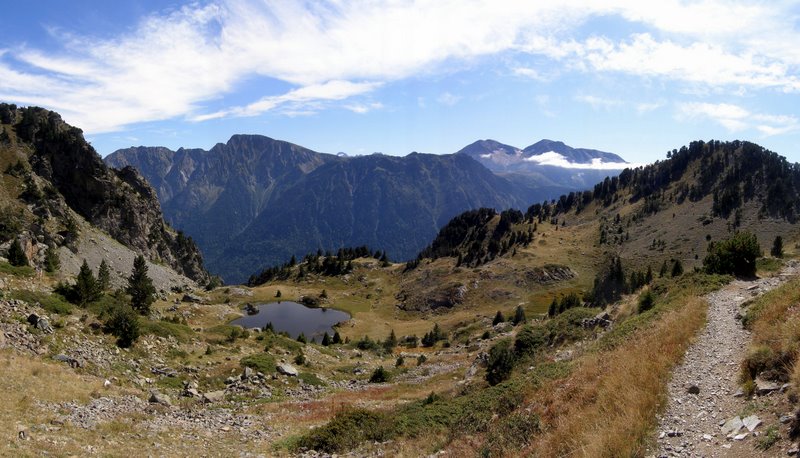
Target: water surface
<point>294,318</point>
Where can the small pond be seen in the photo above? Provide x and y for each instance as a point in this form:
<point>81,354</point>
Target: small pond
<point>294,318</point>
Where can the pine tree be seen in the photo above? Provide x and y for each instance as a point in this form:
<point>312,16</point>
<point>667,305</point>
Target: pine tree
<point>337,339</point>
<point>777,247</point>
<point>390,341</point>
<point>140,287</point>
<point>663,271</point>
<point>553,308</point>
<point>86,289</point>
<point>677,268</point>
<point>519,316</point>
<point>326,340</point>
<point>498,318</point>
<point>103,276</point>
<point>52,262</point>
<point>648,278</point>
<point>302,338</point>
<point>16,255</point>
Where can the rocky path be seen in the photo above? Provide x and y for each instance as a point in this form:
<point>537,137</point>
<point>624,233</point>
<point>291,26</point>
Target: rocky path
<point>704,391</point>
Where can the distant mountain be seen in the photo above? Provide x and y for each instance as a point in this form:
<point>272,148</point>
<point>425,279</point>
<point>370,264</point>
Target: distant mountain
<point>53,178</point>
<point>547,167</point>
<point>256,201</point>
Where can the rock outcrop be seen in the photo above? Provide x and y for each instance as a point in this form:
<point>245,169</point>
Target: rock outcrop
<point>62,172</point>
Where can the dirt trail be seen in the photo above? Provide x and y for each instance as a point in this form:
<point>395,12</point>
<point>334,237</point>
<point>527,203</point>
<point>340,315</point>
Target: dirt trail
<point>690,425</point>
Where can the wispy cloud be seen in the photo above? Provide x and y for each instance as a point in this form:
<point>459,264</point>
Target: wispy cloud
<point>177,64</point>
<point>598,103</point>
<point>736,118</point>
<point>446,98</point>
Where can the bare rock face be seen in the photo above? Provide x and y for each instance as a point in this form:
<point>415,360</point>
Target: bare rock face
<point>120,203</point>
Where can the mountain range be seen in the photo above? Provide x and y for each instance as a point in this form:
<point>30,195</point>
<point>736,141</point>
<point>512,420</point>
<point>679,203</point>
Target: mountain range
<point>255,201</point>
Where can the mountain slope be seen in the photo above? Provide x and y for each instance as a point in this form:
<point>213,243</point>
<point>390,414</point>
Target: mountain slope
<point>51,171</point>
<point>547,168</point>
<point>255,201</point>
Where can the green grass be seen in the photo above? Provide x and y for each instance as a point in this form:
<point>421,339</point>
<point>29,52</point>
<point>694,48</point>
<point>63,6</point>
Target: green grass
<point>310,379</point>
<point>468,412</point>
<point>261,362</point>
<point>165,329</point>
<point>53,303</point>
<point>669,293</point>
<point>17,271</point>
<point>766,265</point>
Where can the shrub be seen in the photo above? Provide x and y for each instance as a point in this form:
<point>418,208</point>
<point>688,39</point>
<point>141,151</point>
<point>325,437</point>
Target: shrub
<point>646,301</point>
<point>500,363</point>
<point>347,430</point>
<point>379,375</point>
<point>367,344</point>
<point>124,325</point>
<point>530,339</point>
<point>736,255</point>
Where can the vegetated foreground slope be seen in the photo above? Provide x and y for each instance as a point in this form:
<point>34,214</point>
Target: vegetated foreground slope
<point>255,201</point>
<point>658,219</point>
<point>49,172</point>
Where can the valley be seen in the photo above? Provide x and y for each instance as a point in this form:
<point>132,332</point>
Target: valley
<point>552,330</point>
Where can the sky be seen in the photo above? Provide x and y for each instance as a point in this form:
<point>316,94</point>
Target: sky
<point>630,77</point>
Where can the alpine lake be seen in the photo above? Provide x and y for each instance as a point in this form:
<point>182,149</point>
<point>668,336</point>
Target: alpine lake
<point>293,318</point>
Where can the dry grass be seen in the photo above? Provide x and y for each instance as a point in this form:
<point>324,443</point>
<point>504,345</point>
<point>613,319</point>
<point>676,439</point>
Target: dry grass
<point>607,407</point>
<point>774,320</point>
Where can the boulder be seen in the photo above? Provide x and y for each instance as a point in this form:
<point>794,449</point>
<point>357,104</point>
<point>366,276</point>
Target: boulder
<point>751,422</point>
<point>214,396</point>
<point>44,326</point>
<point>160,398</point>
<point>73,363</point>
<point>505,326</point>
<point>247,373</point>
<point>188,297</point>
<point>191,393</point>
<point>764,387</point>
<point>287,369</point>
<point>732,426</point>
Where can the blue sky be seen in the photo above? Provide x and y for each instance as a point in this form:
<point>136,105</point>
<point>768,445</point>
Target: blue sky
<point>635,78</point>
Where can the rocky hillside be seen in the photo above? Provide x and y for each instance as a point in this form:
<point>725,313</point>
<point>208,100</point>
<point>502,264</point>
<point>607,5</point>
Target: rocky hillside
<point>255,201</point>
<point>52,175</point>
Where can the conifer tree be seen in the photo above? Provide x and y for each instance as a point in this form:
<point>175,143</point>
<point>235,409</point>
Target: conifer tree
<point>103,276</point>
<point>777,247</point>
<point>519,316</point>
<point>326,339</point>
<point>16,255</point>
<point>86,289</point>
<point>337,339</point>
<point>677,268</point>
<point>553,307</point>
<point>140,287</point>
<point>52,262</point>
<point>498,318</point>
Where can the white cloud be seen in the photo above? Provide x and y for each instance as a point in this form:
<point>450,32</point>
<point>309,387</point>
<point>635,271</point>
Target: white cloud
<point>175,64</point>
<point>598,103</point>
<point>362,108</point>
<point>557,160</point>
<point>448,99</point>
<point>736,118</point>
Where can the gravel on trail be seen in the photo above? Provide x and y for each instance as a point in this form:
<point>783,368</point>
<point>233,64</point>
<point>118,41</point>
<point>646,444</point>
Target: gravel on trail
<point>704,392</point>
